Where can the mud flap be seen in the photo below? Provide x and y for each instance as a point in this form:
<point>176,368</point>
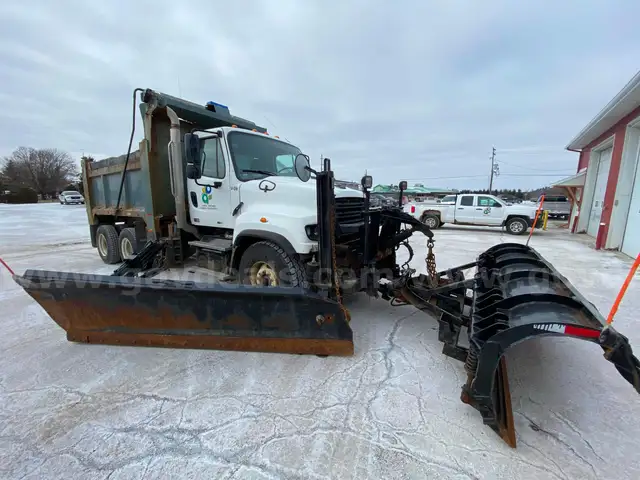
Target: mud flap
<point>120,310</point>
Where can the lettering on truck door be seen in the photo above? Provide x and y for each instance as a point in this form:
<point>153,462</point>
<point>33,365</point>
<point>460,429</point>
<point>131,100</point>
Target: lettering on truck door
<point>488,210</point>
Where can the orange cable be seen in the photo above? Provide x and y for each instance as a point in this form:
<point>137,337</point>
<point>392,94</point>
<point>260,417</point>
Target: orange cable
<point>6,266</point>
<point>535,222</point>
<point>623,290</point>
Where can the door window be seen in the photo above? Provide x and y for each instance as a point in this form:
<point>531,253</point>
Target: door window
<point>212,159</point>
<point>488,202</point>
<point>466,200</point>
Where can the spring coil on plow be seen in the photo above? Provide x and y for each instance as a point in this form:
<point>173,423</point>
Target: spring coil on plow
<point>471,363</point>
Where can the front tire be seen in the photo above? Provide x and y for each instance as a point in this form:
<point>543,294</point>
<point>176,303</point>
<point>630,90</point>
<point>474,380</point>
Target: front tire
<point>107,242</point>
<point>266,263</point>
<point>517,226</point>
<point>431,221</point>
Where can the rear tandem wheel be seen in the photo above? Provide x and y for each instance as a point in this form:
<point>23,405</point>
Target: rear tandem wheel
<point>108,245</point>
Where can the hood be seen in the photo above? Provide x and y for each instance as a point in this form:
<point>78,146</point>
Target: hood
<point>529,210</point>
<point>292,188</point>
<point>285,195</point>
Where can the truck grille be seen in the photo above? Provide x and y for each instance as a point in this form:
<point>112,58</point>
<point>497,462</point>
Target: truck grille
<point>349,210</point>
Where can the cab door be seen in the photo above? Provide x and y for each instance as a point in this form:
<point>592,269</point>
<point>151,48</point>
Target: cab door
<point>464,209</point>
<point>488,211</point>
<point>210,195</point>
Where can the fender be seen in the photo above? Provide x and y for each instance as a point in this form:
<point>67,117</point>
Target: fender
<point>247,237</point>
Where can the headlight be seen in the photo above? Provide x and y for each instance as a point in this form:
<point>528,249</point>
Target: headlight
<point>312,232</point>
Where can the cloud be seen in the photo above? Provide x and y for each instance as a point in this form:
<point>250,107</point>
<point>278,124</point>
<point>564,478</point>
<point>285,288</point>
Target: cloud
<point>405,90</point>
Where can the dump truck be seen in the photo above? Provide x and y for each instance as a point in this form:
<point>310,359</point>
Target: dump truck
<point>284,244</point>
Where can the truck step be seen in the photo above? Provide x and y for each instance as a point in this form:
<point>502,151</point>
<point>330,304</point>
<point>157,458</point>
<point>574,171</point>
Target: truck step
<point>214,244</point>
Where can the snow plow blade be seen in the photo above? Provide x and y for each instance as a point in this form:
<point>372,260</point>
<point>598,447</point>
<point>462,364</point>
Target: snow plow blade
<point>118,310</point>
<point>514,295</point>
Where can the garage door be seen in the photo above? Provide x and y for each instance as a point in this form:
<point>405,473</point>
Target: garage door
<point>600,189</point>
<point>631,240</point>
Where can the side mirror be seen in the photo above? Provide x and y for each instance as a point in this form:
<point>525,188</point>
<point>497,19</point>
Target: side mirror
<point>366,182</point>
<point>192,149</point>
<point>193,172</point>
<point>302,168</point>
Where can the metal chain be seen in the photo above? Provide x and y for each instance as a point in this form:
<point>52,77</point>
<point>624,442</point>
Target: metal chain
<point>332,221</point>
<point>432,272</point>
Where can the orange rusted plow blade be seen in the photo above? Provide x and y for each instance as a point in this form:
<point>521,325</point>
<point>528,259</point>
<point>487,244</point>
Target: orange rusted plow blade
<point>504,410</point>
<point>151,312</point>
<point>498,413</point>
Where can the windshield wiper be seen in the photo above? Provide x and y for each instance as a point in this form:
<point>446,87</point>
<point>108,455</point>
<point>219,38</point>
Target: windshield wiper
<point>263,172</point>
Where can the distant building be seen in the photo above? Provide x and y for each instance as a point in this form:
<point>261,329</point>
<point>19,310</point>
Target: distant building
<point>607,181</point>
<point>417,191</point>
<point>348,184</point>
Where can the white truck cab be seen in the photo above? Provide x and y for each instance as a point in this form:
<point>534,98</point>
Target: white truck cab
<point>248,186</point>
<point>477,209</point>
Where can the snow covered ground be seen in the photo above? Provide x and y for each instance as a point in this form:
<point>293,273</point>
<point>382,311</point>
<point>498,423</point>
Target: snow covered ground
<point>391,411</point>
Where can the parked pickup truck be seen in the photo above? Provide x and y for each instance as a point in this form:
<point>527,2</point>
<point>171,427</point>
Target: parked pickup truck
<point>482,210</point>
<point>558,206</point>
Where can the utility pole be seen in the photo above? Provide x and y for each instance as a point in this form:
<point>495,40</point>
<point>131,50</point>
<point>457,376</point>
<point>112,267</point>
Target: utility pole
<point>495,169</point>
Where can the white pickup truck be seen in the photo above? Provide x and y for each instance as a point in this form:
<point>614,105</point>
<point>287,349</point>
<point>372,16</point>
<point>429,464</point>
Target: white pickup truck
<point>473,209</point>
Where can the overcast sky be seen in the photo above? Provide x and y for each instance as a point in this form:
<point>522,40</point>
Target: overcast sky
<point>416,90</point>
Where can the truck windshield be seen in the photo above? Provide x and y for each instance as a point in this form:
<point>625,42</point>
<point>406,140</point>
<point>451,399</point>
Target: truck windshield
<point>257,156</point>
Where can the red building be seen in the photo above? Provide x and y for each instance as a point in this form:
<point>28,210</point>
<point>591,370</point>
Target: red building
<point>608,205</point>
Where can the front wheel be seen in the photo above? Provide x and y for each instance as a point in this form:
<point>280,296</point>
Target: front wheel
<point>516,226</point>
<point>430,220</point>
<point>266,263</point>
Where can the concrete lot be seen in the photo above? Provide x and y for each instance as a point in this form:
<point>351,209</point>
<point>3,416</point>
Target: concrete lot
<point>391,411</point>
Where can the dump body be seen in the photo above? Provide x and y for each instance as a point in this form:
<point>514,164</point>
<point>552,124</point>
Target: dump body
<point>146,194</point>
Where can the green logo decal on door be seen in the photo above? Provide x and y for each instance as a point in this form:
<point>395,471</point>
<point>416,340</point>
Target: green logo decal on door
<point>206,194</point>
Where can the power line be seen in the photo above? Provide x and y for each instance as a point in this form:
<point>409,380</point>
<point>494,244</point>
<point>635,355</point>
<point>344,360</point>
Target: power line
<point>537,174</point>
<point>274,127</point>
<point>527,168</point>
<point>442,178</point>
<point>484,176</point>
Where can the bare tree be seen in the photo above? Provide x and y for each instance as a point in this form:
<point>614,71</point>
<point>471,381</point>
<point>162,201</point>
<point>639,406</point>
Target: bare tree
<point>45,170</point>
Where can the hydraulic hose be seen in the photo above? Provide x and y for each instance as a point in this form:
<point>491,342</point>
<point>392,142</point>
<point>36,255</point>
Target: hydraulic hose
<point>126,162</point>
